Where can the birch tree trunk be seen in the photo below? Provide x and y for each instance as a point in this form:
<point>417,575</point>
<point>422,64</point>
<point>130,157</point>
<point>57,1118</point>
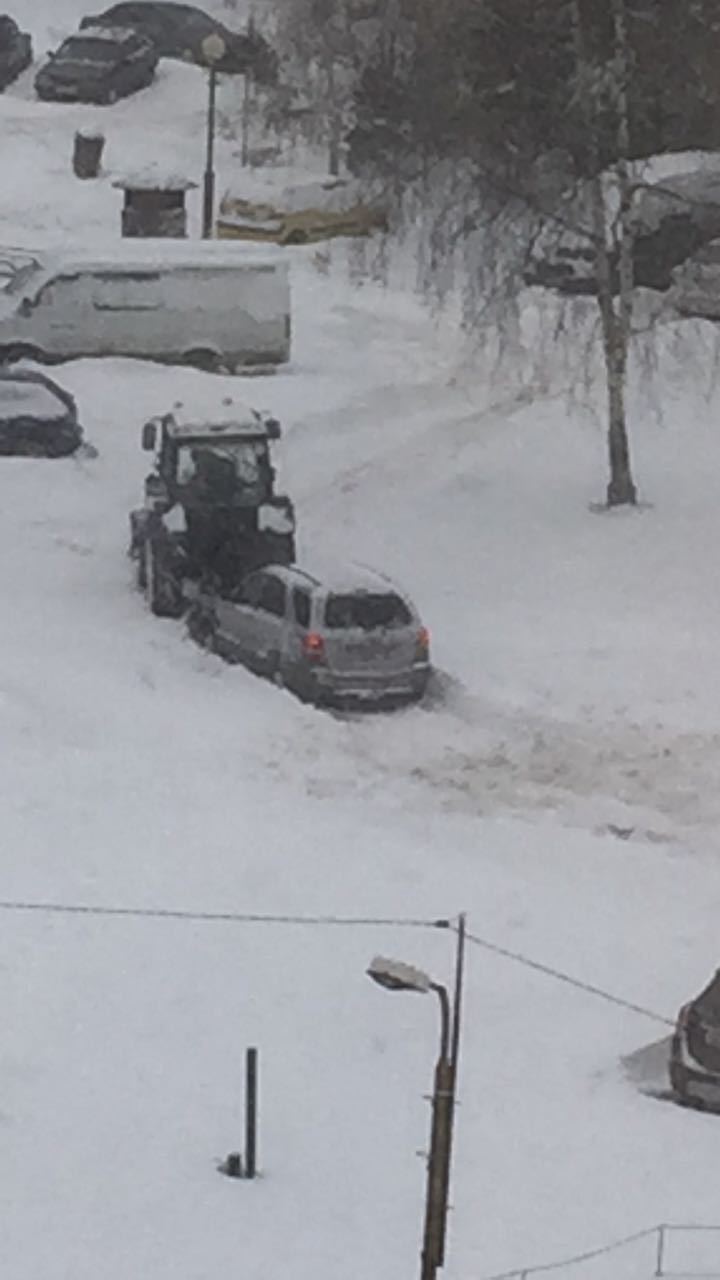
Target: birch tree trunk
<point>615,315</point>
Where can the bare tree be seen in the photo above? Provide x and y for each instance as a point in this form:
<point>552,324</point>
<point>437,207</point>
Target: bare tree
<point>544,108</point>
<point>596,88</point>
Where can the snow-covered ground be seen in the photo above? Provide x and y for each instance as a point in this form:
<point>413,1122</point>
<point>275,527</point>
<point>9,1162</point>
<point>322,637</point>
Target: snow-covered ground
<point>578,698</point>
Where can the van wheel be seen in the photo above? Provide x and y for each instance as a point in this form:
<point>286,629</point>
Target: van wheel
<point>202,358</point>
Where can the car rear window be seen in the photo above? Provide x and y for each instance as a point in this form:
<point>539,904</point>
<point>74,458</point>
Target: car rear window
<point>366,610</point>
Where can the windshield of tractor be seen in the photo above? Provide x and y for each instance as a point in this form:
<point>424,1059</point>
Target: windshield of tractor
<point>225,471</point>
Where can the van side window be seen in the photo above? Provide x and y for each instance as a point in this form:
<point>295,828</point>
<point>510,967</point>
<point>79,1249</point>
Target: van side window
<point>301,606</point>
<point>126,291</point>
<point>273,596</point>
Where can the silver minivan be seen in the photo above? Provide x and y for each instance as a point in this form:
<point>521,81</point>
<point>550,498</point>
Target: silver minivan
<point>330,637</point>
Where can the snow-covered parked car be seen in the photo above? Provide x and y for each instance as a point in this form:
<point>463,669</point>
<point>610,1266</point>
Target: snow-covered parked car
<point>695,1052</point>
<point>100,64</point>
<point>696,284</point>
<point>178,31</point>
<point>301,214</point>
<point>15,50</point>
<point>38,418</point>
<point>339,635</point>
<point>204,304</point>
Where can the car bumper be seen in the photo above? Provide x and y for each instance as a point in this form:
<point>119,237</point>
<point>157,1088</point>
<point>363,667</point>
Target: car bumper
<point>690,1080</point>
<point>372,688</point>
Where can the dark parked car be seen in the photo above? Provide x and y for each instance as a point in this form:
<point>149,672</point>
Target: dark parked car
<point>38,418</point>
<point>178,31</point>
<point>101,64</point>
<point>695,1053</point>
<point>15,50</point>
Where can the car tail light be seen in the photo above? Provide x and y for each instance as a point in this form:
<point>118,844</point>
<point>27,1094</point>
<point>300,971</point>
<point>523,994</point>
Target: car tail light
<point>422,645</point>
<point>314,646</point>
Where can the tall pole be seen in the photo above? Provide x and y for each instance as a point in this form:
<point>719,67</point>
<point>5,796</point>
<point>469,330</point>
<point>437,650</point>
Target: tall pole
<point>209,179</point>
<point>435,1187</point>
<point>452,1077</point>
<point>431,1257</point>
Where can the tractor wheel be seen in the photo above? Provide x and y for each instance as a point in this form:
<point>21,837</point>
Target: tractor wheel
<point>162,590</point>
<point>141,576</point>
<point>201,627</point>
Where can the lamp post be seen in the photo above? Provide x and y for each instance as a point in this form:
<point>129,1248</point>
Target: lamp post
<point>395,975</point>
<point>213,50</point>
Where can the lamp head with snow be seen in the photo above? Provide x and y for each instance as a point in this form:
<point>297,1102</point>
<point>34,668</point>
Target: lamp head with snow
<point>213,49</point>
<point>394,975</point>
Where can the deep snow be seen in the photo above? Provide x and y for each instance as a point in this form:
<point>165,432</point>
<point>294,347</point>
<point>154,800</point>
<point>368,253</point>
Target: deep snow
<point>577,702</point>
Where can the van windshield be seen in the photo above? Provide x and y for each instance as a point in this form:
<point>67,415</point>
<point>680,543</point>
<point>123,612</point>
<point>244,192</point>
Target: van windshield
<point>366,610</point>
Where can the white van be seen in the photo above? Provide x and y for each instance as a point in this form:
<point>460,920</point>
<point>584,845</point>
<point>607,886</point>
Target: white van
<point>210,305</point>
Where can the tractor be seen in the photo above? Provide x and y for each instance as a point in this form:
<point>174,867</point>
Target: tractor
<point>211,514</point>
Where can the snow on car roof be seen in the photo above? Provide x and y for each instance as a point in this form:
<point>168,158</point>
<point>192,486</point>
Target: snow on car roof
<point>342,578</point>
<point>121,254</point>
<point>29,399</point>
<point>114,35</point>
<point>330,195</point>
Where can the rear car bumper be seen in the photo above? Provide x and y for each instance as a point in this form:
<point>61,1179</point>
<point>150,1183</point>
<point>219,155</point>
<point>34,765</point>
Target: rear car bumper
<point>692,1082</point>
<point>408,686</point>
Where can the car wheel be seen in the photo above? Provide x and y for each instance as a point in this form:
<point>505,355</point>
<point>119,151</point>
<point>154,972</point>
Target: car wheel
<point>202,358</point>
<point>305,688</point>
<point>21,351</point>
<point>110,98</point>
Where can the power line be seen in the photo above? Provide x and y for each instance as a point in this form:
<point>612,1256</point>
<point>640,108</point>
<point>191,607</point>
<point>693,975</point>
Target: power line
<point>215,917</point>
<point>578,1257</point>
<point>394,922</point>
<point>558,974</point>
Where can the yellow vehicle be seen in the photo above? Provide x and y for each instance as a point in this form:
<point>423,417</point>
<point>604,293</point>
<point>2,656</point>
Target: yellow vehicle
<point>301,215</point>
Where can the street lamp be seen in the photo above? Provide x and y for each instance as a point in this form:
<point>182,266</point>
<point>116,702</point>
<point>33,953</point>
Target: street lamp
<point>213,50</point>
<point>395,975</point>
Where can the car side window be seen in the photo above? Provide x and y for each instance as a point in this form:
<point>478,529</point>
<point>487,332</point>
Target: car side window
<point>301,607</point>
<point>273,596</point>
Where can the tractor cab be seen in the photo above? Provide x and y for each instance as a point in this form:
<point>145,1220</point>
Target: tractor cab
<point>221,463</point>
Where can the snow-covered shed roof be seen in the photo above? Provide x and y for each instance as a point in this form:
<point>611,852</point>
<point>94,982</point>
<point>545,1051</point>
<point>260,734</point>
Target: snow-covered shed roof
<point>154,180</point>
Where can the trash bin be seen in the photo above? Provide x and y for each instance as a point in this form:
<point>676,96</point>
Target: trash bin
<point>87,153</point>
